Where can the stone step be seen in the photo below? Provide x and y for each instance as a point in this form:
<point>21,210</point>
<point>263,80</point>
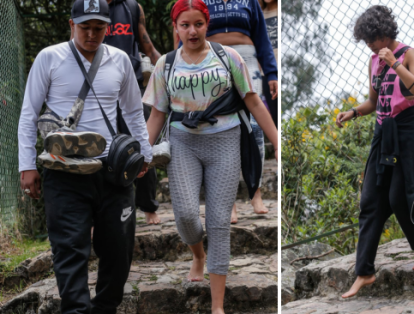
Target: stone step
<point>268,189</point>
<point>292,262</point>
<point>356,305</point>
<point>162,288</point>
<point>252,234</point>
<point>394,274</point>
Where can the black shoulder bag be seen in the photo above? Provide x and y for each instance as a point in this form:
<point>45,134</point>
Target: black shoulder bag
<point>124,161</point>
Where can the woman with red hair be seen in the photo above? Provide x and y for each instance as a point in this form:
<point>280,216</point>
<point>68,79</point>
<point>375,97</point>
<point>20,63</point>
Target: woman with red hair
<point>241,25</point>
<point>208,152</point>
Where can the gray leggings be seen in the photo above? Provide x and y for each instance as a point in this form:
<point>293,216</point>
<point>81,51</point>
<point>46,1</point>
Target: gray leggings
<point>212,159</point>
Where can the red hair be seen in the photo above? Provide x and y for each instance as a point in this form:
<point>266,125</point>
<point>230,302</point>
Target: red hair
<point>185,5</point>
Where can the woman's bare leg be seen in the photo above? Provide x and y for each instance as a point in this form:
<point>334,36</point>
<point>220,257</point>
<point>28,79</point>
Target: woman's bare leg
<point>360,282</point>
<point>218,287</point>
<point>199,259</point>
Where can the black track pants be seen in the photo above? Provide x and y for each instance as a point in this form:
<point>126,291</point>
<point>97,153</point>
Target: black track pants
<point>71,202</point>
<point>377,205</point>
<point>145,187</point>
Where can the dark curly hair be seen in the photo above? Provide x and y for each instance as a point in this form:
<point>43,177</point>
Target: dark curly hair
<point>375,23</point>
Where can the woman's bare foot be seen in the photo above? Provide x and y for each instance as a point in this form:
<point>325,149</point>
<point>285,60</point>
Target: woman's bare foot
<point>360,282</point>
<point>257,203</point>
<point>234,214</point>
<point>197,269</point>
<point>152,218</point>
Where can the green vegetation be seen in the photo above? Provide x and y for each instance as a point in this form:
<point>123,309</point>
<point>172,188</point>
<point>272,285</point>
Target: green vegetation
<point>14,251</point>
<point>323,174</point>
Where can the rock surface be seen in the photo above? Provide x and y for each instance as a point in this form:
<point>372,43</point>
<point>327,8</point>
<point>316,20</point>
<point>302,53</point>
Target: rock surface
<point>252,234</point>
<point>29,270</point>
<point>394,276</point>
<point>289,271</point>
<point>358,305</point>
<point>161,287</point>
<point>268,189</point>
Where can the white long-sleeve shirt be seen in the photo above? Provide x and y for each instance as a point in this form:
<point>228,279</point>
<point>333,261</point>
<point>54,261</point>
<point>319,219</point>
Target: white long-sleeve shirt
<point>55,78</point>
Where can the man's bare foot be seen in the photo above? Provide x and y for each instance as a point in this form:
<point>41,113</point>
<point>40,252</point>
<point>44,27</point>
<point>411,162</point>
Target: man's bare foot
<point>234,214</point>
<point>197,269</point>
<point>257,203</point>
<point>360,282</point>
<point>152,218</point>
<point>217,311</point>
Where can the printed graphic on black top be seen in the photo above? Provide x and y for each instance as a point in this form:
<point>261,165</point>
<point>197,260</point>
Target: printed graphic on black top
<point>384,95</point>
<point>271,25</point>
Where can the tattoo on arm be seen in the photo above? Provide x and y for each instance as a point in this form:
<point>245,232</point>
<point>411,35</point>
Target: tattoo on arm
<point>145,39</point>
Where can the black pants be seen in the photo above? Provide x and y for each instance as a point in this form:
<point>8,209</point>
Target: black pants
<point>145,187</point>
<point>71,202</point>
<point>377,205</point>
<point>272,104</point>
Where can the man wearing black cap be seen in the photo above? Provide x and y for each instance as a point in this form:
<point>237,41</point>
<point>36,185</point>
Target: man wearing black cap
<point>127,32</point>
<point>73,200</point>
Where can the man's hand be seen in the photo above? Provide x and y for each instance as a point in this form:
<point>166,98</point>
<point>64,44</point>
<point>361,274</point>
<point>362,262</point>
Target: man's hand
<point>144,170</point>
<point>273,89</point>
<point>30,179</point>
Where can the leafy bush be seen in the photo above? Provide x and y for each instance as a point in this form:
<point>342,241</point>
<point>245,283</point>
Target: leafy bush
<point>323,169</point>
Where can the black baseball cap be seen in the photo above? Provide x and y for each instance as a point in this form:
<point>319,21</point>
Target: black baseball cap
<point>85,10</point>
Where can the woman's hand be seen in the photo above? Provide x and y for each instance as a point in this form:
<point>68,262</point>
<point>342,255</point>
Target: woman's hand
<point>144,170</point>
<point>273,89</point>
<point>343,117</point>
<point>387,55</point>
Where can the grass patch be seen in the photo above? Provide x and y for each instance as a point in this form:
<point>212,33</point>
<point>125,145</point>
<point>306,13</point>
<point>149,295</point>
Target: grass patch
<point>153,278</point>
<point>207,276</point>
<point>176,282</point>
<point>401,258</point>
<point>13,251</point>
<point>172,268</point>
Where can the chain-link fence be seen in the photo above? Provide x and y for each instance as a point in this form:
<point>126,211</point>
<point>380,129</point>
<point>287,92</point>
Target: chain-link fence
<point>12,79</point>
<point>325,72</point>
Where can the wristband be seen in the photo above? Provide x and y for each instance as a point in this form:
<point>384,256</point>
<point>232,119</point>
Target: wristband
<point>356,113</point>
<point>396,64</point>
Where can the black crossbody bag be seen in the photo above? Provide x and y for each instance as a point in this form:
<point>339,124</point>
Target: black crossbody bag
<point>124,161</point>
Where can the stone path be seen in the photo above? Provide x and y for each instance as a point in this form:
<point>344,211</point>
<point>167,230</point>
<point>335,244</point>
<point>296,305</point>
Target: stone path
<point>318,286</point>
<point>252,234</point>
<point>359,305</point>
<point>157,281</point>
<point>395,277</point>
